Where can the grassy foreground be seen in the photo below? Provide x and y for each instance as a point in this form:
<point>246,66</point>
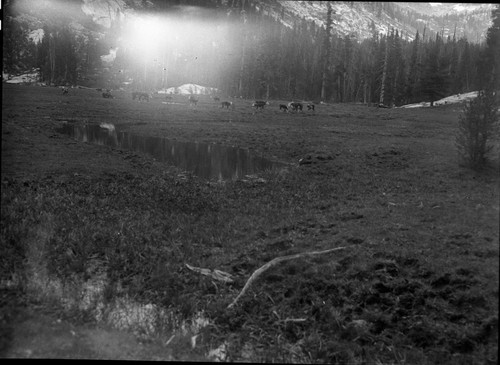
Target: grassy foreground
<point>417,283</point>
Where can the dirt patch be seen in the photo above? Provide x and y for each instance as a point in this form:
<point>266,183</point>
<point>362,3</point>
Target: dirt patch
<point>38,335</point>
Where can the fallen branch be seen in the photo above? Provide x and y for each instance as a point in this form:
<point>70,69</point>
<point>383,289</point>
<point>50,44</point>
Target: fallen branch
<point>275,261</point>
<point>294,320</point>
<point>215,274</point>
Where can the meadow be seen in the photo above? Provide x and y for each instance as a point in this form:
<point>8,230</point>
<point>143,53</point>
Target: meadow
<point>416,283</point>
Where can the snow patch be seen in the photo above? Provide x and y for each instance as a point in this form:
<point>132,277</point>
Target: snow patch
<point>110,57</point>
<point>36,35</point>
<point>28,77</point>
<point>452,99</point>
<point>188,89</point>
<point>459,7</point>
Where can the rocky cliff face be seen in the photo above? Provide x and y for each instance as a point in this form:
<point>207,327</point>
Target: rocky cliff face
<point>362,19</point>
<point>104,12</point>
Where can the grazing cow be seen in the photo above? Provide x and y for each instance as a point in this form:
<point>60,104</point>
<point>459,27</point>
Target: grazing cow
<point>216,98</point>
<point>168,97</point>
<point>310,107</point>
<point>65,91</point>
<point>226,104</point>
<point>259,104</point>
<point>283,107</point>
<point>193,101</point>
<point>107,95</point>
<point>140,96</point>
<point>294,106</point>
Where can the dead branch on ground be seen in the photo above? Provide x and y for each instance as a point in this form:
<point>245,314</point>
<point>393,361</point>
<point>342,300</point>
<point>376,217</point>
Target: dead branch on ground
<point>274,262</point>
<point>214,274</point>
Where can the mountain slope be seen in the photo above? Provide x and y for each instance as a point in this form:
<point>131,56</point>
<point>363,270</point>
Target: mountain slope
<point>362,19</point>
<point>357,19</point>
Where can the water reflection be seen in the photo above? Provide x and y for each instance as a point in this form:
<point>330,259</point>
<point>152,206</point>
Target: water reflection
<point>209,161</point>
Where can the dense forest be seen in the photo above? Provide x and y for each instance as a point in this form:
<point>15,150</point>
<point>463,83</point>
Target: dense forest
<point>242,50</point>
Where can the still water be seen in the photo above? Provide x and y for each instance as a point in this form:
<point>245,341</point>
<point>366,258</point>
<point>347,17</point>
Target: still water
<point>208,161</point>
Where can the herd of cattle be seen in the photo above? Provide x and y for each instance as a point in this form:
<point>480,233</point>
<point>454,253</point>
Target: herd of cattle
<point>193,101</point>
<point>258,104</point>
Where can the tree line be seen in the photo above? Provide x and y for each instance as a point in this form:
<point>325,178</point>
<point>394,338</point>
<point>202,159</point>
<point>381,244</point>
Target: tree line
<point>311,62</point>
<point>261,57</point>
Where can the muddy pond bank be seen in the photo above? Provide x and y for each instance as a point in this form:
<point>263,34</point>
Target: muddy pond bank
<point>208,161</point>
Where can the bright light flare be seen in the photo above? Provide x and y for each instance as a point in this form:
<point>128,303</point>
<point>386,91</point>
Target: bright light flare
<point>174,48</point>
<point>144,34</point>
<point>162,37</point>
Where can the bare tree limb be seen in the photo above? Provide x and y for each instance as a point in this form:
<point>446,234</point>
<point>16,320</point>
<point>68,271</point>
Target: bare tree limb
<point>275,261</point>
<point>215,274</point>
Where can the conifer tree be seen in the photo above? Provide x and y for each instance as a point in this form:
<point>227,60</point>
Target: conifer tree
<point>463,78</point>
<point>434,77</point>
<point>400,73</point>
<point>390,70</point>
<point>475,129</point>
<point>244,20</point>
<point>413,72</point>
<point>384,73</point>
<point>326,50</point>
<point>453,69</point>
<point>489,76</point>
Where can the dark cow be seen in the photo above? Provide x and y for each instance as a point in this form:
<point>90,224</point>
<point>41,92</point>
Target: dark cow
<point>168,97</point>
<point>216,98</point>
<point>107,95</point>
<point>259,104</point>
<point>310,107</point>
<point>193,100</point>
<point>295,106</point>
<point>226,104</point>
<point>65,91</point>
<point>283,107</point>
<point>140,96</point>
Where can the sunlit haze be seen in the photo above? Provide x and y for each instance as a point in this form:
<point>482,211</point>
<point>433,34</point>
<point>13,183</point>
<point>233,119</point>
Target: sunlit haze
<point>166,46</point>
<point>157,50</point>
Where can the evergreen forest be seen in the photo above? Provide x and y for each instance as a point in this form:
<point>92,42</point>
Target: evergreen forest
<point>248,52</point>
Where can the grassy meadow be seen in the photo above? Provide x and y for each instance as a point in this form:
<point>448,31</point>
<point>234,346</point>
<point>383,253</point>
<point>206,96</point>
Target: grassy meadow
<point>417,282</point>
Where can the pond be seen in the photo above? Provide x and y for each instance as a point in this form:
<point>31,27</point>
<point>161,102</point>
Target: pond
<point>208,161</point>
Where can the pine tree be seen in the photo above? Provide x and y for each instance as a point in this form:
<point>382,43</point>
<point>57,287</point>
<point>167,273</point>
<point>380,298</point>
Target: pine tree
<point>475,128</point>
<point>434,78</point>
<point>413,72</point>
<point>463,79</point>
<point>453,70</point>
<point>392,65</point>
<point>384,73</point>
<point>326,50</point>
<point>489,76</point>
<point>400,74</point>
<point>244,20</point>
